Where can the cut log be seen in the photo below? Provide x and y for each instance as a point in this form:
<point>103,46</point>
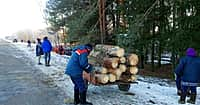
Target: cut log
<point>132,59</point>
<point>128,78</point>
<point>110,50</point>
<point>133,78</point>
<point>112,78</point>
<point>95,60</point>
<point>117,52</point>
<point>101,78</point>
<point>95,53</point>
<point>117,73</point>
<point>102,47</point>
<point>111,70</point>
<point>100,70</point>
<point>111,62</point>
<point>98,56</point>
<point>122,67</point>
<point>122,60</point>
<point>132,70</point>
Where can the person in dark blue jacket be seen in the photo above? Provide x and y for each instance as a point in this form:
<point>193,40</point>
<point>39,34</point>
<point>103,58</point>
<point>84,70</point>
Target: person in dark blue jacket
<point>47,47</point>
<point>39,51</point>
<point>188,71</point>
<point>78,63</point>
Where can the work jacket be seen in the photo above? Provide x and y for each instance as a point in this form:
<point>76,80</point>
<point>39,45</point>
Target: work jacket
<point>46,46</point>
<point>188,70</point>
<point>78,62</point>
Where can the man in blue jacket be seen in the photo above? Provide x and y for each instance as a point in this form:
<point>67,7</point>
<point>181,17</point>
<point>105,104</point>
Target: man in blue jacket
<point>77,63</point>
<point>47,47</point>
<point>188,70</point>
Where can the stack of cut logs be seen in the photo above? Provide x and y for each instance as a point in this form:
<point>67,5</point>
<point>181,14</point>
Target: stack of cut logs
<point>111,65</point>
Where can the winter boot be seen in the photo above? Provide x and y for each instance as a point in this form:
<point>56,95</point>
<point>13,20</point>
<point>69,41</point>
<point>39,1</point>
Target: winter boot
<point>179,92</point>
<point>39,63</point>
<point>83,99</point>
<point>182,99</point>
<point>76,97</point>
<point>192,99</point>
<point>188,93</point>
<point>46,64</point>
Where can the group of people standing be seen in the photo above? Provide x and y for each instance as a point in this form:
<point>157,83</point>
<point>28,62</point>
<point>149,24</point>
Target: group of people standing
<point>44,48</point>
<point>187,71</point>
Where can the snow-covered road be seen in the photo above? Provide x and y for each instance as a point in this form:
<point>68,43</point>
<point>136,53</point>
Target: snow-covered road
<point>148,91</point>
<point>21,83</point>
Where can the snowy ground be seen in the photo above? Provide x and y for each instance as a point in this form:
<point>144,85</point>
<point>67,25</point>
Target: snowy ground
<point>148,91</point>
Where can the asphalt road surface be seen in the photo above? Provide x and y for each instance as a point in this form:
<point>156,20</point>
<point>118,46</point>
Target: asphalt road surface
<point>21,83</point>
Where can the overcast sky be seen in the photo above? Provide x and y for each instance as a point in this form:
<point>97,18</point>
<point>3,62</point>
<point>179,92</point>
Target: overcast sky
<point>20,14</point>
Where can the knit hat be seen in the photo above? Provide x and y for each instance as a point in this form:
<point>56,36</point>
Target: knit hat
<point>89,46</point>
<point>191,52</point>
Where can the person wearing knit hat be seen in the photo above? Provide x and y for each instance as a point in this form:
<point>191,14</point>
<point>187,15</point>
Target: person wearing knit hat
<point>189,52</point>
<point>78,63</point>
<point>187,72</point>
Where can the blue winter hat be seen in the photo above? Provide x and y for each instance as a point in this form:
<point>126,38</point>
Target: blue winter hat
<point>89,46</point>
<point>191,52</point>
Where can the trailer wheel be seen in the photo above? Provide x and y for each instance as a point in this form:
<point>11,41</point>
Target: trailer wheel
<point>124,87</point>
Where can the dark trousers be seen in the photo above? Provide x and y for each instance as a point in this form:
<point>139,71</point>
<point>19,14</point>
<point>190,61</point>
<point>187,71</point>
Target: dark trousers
<point>79,83</point>
<point>185,89</point>
<point>178,82</point>
<point>81,87</point>
<point>47,57</point>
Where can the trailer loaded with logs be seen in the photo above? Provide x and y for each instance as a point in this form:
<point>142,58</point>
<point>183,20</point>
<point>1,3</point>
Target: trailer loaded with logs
<point>112,67</point>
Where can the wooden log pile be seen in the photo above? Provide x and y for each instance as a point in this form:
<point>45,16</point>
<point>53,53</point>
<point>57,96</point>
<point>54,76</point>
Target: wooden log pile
<point>111,65</point>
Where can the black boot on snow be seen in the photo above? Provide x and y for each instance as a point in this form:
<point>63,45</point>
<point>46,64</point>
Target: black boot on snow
<point>179,92</point>
<point>39,63</point>
<point>192,99</point>
<point>188,93</point>
<point>83,99</point>
<point>182,99</point>
<point>76,97</point>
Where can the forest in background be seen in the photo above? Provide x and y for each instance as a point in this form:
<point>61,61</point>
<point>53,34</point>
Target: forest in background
<point>149,28</point>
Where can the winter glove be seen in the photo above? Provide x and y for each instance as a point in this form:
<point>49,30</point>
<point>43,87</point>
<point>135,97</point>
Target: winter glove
<point>89,68</point>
